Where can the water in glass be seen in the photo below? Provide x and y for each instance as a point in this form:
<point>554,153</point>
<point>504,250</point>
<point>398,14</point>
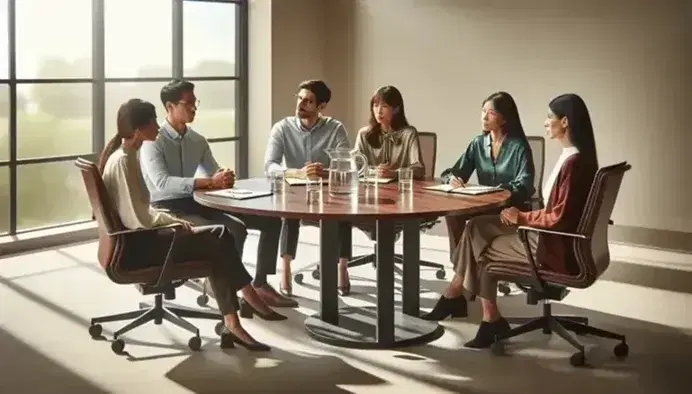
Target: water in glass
<point>344,171</point>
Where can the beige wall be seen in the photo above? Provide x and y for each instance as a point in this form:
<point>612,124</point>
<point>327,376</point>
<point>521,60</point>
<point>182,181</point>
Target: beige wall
<point>631,63</point>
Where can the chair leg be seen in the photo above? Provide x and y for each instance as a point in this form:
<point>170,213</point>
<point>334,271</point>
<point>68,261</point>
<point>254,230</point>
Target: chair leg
<point>121,316</point>
<point>536,324</point>
<point>429,264</point>
<point>520,320</point>
<point>585,329</point>
<point>563,332</point>
<point>361,260</point>
<point>193,314</point>
<point>144,318</point>
<point>576,319</point>
<point>170,316</point>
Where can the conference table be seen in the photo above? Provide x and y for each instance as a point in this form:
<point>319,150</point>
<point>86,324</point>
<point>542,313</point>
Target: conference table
<point>386,209</point>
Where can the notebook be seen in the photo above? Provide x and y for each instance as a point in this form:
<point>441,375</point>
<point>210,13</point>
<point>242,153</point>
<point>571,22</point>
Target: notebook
<point>472,190</point>
<point>379,180</point>
<point>239,194</point>
<point>299,181</point>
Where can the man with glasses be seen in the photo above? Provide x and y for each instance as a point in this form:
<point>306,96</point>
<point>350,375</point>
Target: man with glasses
<point>170,165</point>
<point>300,141</point>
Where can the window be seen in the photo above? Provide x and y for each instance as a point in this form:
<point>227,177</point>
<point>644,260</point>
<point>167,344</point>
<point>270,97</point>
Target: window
<point>64,82</point>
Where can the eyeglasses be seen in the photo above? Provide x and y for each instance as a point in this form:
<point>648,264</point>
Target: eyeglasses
<point>190,105</point>
<point>303,100</point>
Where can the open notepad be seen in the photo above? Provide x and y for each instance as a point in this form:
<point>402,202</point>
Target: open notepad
<point>239,194</point>
<point>472,190</point>
<point>378,180</point>
<point>299,181</point>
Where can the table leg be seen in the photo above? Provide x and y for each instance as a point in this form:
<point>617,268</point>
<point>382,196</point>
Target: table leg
<point>411,268</point>
<point>329,258</point>
<point>384,251</point>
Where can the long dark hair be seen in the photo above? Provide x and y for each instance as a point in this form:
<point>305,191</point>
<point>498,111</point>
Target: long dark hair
<point>504,104</point>
<point>392,97</point>
<point>581,134</point>
<point>133,114</point>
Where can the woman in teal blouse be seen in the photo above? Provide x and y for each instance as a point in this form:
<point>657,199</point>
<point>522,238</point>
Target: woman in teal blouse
<point>500,156</point>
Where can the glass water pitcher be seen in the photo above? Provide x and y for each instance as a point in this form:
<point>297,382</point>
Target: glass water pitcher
<point>345,171</point>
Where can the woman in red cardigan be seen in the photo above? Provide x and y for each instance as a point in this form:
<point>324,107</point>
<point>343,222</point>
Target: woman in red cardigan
<point>495,237</point>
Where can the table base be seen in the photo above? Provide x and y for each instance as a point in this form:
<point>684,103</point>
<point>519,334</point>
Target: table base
<point>357,329</point>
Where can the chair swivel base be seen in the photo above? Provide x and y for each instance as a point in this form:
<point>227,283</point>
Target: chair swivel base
<point>562,325</point>
<point>156,313</point>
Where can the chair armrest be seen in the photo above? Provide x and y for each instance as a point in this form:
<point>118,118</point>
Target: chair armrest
<point>143,230</point>
<point>540,230</point>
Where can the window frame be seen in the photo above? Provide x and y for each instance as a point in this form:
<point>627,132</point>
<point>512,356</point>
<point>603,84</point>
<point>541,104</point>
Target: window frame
<point>98,82</point>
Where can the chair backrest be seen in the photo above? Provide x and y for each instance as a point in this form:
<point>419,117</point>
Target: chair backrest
<point>537,145</point>
<point>593,255</point>
<point>428,148</point>
<point>103,209</point>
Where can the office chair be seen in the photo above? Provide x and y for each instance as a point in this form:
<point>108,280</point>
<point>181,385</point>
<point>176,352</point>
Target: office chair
<point>537,144</point>
<point>428,147</point>
<point>590,248</point>
<point>161,280</point>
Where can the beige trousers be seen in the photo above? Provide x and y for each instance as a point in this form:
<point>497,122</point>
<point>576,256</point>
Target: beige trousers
<point>487,239</point>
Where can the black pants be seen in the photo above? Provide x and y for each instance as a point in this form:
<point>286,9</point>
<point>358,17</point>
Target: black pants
<point>290,230</point>
<point>207,243</point>
<point>270,230</point>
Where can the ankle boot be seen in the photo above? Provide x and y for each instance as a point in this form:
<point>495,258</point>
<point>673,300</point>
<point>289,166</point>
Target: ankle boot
<point>454,307</point>
<point>487,332</point>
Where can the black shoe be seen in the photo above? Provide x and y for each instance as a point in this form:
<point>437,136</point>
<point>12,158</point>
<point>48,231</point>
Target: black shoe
<point>228,341</point>
<point>487,332</point>
<point>248,311</point>
<point>455,307</point>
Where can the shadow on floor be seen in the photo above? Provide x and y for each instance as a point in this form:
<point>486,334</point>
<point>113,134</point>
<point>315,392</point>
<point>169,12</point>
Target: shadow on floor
<point>23,367</point>
<point>278,371</point>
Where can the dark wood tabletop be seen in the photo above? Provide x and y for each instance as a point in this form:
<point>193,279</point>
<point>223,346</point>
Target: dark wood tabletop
<point>387,202</point>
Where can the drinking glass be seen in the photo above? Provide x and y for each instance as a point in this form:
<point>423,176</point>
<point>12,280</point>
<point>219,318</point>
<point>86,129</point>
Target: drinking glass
<point>371,177</point>
<point>276,179</point>
<point>313,190</point>
<point>405,180</point>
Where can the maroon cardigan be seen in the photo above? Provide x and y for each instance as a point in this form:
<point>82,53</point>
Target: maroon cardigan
<point>562,212</point>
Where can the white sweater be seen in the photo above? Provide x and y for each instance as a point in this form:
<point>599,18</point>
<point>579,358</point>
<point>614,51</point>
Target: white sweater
<point>123,178</point>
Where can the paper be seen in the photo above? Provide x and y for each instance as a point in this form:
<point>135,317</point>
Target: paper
<point>238,194</point>
<point>379,180</point>
<point>299,181</point>
<point>468,189</point>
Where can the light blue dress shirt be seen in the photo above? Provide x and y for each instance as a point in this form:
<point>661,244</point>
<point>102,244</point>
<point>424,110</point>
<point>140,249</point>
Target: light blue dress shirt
<point>293,144</point>
<point>170,163</point>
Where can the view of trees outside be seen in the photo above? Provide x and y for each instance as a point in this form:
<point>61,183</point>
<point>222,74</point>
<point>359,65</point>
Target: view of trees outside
<point>56,119</point>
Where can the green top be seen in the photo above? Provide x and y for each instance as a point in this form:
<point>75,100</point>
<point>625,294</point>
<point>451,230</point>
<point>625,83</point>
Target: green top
<point>513,169</point>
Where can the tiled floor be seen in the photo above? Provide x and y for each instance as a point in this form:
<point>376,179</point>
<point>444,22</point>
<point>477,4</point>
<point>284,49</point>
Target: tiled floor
<point>47,298</point>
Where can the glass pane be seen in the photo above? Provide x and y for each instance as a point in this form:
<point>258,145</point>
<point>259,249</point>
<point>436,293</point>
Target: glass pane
<point>4,200</point>
<point>138,38</point>
<point>216,114</point>
<point>49,46</point>
<point>49,194</point>
<point>118,93</point>
<point>4,43</point>
<point>209,34</point>
<point>224,153</point>
<point>4,122</point>
<point>54,119</point>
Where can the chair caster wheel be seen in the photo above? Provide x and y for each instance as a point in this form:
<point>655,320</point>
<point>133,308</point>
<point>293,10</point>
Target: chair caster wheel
<point>195,343</point>
<point>621,350</point>
<point>498,348</point>
<point>440,274</point>
<point>203,300</point>
<point>218,329</point>
<point>118,346</point>
<point>504,289</point>
<point>95,330</point>
<point>316,274</point>
<point>578,359</point>
<point>298,278</point>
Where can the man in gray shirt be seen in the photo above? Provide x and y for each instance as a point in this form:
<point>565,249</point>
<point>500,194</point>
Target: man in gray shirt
<point>300,142</point>
<point>169,166</point>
